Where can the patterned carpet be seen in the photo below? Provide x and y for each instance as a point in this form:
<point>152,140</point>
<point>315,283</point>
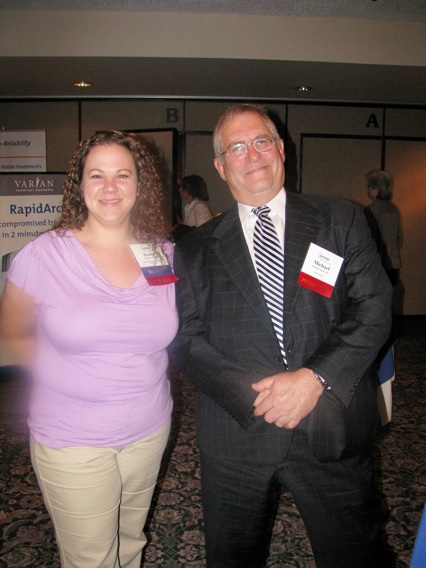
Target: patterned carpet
<point>175,522</point>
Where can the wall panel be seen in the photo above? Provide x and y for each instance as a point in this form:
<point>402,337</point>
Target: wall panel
<point>405,122</point>
<point>59,119</point>
<point>129,115</point>
<point>406,160</point>
<point>337,166</point>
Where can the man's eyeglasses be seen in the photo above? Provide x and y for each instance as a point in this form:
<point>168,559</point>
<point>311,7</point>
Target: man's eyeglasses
<point>239,150</point>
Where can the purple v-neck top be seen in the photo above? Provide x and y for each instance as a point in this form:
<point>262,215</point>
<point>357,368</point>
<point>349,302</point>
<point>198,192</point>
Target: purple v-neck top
<point>100,369</point>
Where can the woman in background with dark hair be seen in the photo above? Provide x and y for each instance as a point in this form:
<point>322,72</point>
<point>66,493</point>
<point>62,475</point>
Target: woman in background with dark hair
<point>193,191</point>
<point>89,308</point>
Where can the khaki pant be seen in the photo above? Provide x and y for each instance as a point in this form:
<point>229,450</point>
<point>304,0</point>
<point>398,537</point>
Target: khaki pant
<point>99,498</point>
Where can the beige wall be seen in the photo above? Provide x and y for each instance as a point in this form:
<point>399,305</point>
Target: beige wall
<point>226,36</point>
<point>329,149</point>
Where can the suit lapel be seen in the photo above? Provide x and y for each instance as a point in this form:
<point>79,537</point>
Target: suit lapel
<point>301,229</point>
<point>233,254</point>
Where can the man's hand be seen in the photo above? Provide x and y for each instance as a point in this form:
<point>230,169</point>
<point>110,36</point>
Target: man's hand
<point>286,398</point>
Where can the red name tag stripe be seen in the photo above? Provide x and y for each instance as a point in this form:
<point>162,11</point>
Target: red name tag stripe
<point>315,285</point>
<point>161,280</point>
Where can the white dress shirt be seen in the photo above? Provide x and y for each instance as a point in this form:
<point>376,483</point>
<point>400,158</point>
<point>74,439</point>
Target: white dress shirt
<point>248,220</point>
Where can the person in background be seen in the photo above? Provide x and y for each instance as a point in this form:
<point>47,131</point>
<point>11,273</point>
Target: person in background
<point>193,190</point>
<point>89,308</point>
<point>281,353</point>
<point>384,221</point>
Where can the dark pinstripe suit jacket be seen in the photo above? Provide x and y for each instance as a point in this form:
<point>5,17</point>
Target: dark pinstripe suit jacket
<point>226,340</point>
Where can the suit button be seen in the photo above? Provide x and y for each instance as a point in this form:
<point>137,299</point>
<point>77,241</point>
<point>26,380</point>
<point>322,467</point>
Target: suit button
<point>278,359</point>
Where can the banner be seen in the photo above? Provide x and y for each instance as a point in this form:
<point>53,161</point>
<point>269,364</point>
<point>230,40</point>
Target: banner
<point>29,204</point>
<point>22,151</point>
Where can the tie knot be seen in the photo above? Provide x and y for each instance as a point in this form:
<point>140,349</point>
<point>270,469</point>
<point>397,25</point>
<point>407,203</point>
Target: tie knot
<point>261,211</point>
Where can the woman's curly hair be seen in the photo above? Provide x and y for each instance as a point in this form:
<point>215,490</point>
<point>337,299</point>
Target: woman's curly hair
<point>147,216</point>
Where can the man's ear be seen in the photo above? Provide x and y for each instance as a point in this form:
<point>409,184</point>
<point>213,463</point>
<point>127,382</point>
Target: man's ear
<point>219,166</point>
<point>281,148</point>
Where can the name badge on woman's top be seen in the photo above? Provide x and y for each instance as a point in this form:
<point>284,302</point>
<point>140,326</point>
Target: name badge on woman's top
<point>154,264</point>
<point>320,270</point>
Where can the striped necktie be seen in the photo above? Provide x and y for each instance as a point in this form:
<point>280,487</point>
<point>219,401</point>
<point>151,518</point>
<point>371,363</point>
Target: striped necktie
<point>269,259</point>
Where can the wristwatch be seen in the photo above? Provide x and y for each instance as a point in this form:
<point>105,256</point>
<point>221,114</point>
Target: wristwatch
<point>322,381</point>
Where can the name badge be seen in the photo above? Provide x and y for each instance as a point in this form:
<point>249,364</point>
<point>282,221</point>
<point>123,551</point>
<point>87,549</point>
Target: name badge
<point>320,270</point>
<point>155,266</point>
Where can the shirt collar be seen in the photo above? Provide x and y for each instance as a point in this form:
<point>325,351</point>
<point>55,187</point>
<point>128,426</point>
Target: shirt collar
<point>276,205</point>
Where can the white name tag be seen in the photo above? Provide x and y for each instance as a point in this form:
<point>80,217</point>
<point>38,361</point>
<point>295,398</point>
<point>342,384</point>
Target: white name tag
<point>320,270</point>
<point>155,266</point>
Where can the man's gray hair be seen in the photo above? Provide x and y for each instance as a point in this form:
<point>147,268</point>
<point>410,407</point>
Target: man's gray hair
<point>232,113</point>
<point>382,181</point>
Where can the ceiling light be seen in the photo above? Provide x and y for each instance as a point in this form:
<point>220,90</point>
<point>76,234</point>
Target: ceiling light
<point>303,89</point>
<point>82,84</point>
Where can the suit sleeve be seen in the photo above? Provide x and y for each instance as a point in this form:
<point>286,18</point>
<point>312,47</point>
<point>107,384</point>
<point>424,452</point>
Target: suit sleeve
<point>225,382</point>
<point>354,340</point>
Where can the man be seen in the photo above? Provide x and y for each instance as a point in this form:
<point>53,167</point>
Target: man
<point>296,407</point>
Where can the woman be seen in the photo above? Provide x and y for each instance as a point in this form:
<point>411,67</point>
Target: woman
<point>93,324</point>
<point>193,190</point>
<point>384,221</point>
